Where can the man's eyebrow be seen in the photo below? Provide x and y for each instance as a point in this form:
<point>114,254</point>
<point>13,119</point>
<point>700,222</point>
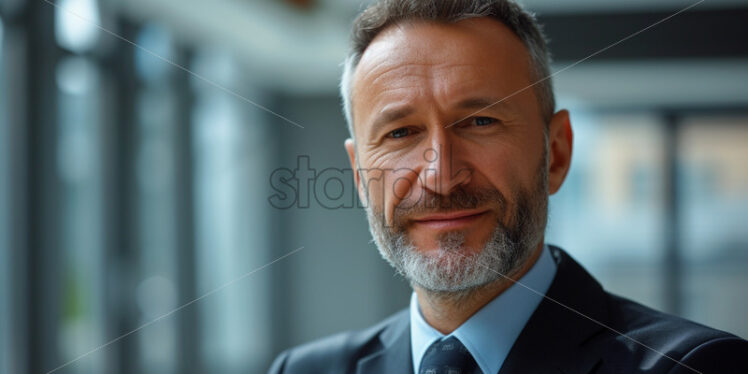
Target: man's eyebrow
<point>481,103</point>
<point>390,115</point>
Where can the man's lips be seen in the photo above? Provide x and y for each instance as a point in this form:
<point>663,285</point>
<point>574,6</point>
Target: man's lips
<point>450,220</point>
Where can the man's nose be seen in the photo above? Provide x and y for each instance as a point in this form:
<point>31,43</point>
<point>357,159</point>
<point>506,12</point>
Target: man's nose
<point>446,168</point>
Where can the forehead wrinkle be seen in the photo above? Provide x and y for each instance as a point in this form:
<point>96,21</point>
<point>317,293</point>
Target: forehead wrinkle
<point>400,90</point>
<point>411,73</point>
<point>429,75</point>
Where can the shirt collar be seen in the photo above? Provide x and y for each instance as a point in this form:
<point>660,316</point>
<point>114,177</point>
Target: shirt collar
<point>490,333</point>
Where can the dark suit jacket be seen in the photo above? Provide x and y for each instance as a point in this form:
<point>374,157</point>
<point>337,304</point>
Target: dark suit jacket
<point>560,337</point>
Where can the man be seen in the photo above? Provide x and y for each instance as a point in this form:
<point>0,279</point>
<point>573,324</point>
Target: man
<point>458,145</point>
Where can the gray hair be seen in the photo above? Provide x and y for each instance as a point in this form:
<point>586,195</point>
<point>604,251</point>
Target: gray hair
<point>385,13</point>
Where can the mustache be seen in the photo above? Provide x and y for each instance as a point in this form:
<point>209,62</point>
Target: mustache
<point>460,199</point>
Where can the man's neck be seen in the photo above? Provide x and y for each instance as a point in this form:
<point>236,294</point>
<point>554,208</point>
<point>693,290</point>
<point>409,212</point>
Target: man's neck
<point>446,313</point>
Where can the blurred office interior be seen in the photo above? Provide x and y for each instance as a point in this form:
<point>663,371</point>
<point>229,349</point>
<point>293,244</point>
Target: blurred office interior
<point>137,141</point>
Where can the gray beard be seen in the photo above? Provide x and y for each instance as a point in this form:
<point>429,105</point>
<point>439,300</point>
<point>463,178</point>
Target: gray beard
<point>453,271</point>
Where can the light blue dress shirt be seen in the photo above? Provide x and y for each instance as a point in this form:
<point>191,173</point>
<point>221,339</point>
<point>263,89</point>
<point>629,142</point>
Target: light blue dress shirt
<point>490,333</point>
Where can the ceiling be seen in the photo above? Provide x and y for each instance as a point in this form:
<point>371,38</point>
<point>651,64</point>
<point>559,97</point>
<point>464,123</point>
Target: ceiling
<point>300,50</point>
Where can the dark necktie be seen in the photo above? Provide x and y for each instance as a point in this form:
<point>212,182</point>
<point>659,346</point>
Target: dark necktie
<point>448,356</point>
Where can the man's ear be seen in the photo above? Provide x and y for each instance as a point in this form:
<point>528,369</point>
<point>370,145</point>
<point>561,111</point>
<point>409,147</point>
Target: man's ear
<point>560,140</point>
<point>350,147</point>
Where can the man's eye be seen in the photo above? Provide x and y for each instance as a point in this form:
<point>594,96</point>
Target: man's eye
<point>482,121</point>
<point>399,133</point>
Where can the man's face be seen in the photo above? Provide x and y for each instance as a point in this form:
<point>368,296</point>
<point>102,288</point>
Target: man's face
<point>443,182</point>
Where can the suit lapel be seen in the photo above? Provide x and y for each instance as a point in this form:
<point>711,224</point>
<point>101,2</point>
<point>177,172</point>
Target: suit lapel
<point>557,336</point>
<point>556,339</point>
<point>394,355</point>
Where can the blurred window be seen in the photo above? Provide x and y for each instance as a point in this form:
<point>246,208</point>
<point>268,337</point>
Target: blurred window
<point>79,165</point>
<point>611,212</point>
<point>5,213</point>
<point>608,213</point>
<point>233,230</point>
<point>156,289</point>
<point>713,178</point>
<point>76,24</point>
